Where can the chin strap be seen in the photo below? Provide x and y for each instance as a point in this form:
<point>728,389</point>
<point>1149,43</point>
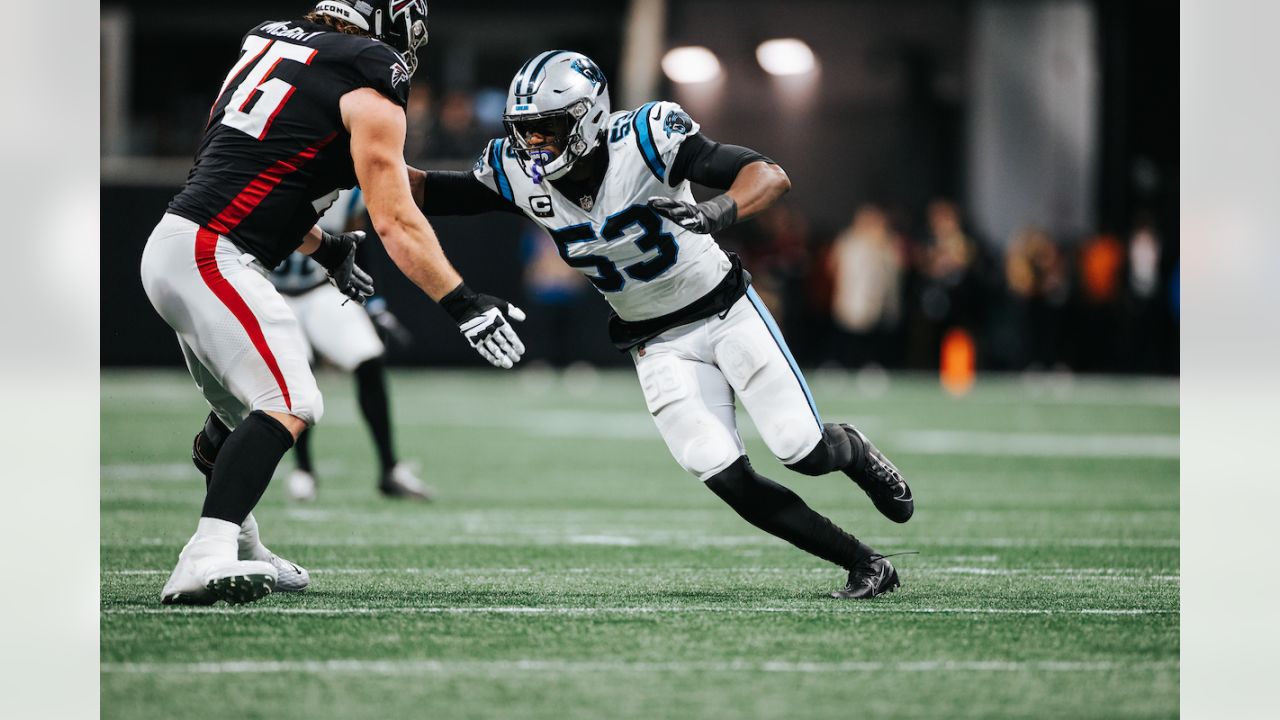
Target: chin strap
<point>539,158</point>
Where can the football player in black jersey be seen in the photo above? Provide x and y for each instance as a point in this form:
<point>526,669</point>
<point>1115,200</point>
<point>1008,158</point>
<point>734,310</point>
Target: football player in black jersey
<point>311,106</point>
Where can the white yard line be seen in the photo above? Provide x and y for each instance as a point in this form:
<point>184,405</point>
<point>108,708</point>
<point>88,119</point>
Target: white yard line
<point>677,540</point>
<point>954,442</point>
<point>1045,573</point>
<point>624,611</point>
<point>628,426</point>
<point>469,667</point>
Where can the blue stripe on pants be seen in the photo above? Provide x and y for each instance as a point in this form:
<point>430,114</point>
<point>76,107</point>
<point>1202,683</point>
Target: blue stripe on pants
<point>786,352</point>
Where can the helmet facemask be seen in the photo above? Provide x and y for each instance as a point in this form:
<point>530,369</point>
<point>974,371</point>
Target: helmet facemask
<point>405,30</point>
<point>564,126</point>
<point>402,24</point>
<point>559,93</point>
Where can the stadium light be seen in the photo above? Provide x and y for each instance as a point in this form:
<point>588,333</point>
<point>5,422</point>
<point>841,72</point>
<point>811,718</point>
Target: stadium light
<point>785,56</point>
<point>690,64</point>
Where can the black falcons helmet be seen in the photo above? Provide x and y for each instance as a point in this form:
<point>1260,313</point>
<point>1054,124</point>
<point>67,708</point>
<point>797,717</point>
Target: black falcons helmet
<point>402,24</point>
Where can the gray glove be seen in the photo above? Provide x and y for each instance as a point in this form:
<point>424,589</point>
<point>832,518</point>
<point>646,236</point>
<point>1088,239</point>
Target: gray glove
<point>711,216</point>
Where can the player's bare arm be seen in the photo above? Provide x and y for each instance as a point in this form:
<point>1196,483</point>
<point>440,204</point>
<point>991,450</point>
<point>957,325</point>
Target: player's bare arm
<point>758,186</point>
<point>377,128</point>
<point>754,183</point>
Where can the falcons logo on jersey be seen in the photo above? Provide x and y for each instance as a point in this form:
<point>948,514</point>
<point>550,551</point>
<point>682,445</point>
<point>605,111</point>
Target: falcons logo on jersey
<point>399,74</point>
<point>398,7</point>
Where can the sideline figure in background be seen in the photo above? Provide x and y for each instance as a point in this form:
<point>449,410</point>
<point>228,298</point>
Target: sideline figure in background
<point>348,337</point>
<point>311,106</point>
<point>613,191</point>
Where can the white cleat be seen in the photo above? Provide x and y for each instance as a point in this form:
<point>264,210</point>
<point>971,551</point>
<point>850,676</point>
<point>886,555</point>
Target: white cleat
<point>402,482</point>
<point>301,486</point>
<point>207,572</point>
<point>290,577</point>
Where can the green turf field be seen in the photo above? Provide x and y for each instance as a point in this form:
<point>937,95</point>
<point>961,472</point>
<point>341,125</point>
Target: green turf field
<point>571,570</point>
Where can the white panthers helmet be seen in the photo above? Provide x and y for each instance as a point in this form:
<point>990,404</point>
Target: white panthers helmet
<point>562,93</point>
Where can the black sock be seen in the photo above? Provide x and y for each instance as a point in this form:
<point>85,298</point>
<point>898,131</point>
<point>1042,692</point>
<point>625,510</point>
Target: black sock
<point>245,464</point>
<point>371,387</point>
<point>780,512</point>
<point>858,459</point>
<point>302,451</point>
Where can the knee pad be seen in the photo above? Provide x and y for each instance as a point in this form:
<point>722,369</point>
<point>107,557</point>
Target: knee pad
<point>791,437</point>
<point>697,440</point>
<point>707,453</point>
<point>832,452</point>
<point>205,446</point>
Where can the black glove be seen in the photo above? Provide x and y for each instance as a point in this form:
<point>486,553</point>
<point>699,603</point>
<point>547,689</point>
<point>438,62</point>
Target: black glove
<point>711,216</point>
<point>337,255</point>
<point>389,327</point>
<point>480,318</point>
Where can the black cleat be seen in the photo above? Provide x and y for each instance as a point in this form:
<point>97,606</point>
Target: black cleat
<point>879,479</point>
<point>873,577</point>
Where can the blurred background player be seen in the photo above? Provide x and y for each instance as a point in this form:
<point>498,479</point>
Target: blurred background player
<point>613,190</point>
<point>346,336</point>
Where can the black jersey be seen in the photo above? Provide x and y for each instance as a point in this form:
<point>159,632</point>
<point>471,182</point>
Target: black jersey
<point>275,152</point>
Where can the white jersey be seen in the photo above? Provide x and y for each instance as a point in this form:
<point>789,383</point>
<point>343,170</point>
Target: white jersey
<point>645,265</point>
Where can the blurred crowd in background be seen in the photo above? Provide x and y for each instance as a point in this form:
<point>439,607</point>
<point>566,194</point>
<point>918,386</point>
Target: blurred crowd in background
<point>974,179</point>
<point>890,286</point>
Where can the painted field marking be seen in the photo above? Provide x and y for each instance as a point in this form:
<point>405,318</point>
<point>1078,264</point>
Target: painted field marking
<point>399,667</point>
<point>679,540</point>
<point>588,611</point>
<point>964,442</point>
<point>1043,574</point>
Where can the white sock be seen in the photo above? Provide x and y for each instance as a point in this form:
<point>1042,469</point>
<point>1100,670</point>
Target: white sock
<point>214,528</point>
<point>250,545</point>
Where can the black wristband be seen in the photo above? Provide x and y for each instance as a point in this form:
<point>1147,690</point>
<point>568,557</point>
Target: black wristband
<point>332,251</point>
<point>721,211</point>
<point>460,303</point>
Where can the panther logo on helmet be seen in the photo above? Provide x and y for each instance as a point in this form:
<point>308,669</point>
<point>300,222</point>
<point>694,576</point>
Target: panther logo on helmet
<point>557,94</point>
<point>590,71</point>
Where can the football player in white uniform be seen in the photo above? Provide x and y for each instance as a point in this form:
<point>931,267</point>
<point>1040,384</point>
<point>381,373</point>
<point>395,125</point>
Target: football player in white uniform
<point>348,337</point>
<point>613,190</point>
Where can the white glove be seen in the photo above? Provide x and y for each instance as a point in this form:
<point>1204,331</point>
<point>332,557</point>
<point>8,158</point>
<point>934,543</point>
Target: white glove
<point>484,326</point>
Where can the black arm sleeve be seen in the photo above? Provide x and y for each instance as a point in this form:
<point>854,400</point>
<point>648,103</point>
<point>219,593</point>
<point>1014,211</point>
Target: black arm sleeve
<point>707,162</point>
<point>460,193</point>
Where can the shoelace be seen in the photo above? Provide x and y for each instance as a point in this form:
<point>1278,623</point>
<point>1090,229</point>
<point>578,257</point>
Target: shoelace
<point>865,566</point>
<point>883,471</point>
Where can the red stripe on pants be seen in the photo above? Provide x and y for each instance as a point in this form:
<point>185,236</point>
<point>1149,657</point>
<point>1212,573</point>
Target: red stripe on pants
<point>207,263</point>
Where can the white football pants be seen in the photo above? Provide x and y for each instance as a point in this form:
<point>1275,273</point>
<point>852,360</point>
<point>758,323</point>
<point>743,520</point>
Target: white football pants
<point>242,343</point>
<point>690,374</point>
<point>339,331</point>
